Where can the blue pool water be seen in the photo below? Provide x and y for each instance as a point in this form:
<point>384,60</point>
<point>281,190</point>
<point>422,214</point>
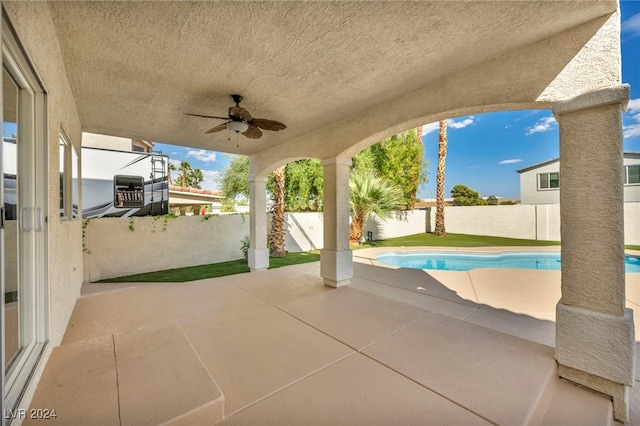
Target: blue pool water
<point>468,261</point>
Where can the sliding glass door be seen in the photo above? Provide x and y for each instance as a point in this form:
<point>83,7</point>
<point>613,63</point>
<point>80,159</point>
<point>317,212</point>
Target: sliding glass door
<point>22,221</point>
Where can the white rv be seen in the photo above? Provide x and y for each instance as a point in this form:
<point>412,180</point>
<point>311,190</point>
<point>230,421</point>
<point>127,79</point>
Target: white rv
<point>124,183</point>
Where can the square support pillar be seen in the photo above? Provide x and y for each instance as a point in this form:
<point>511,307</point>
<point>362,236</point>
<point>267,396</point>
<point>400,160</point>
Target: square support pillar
<point>258,251</point>
<point>595,344</point>
<point>336,260</point>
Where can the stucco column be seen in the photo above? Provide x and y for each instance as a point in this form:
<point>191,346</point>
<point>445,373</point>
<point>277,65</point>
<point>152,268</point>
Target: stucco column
<point>336,260</point>
<point>258,251</point>
<point>595,339</point>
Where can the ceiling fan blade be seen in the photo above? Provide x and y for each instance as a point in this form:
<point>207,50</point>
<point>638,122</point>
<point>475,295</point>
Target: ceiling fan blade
<point>206,116</point>
<point>265,124</point>
<point>238,111</point>
<point>217,128</point>
<point>252,132</point>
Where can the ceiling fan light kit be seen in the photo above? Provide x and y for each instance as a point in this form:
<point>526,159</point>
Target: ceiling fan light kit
<point>237,126</point>
<point>239,120</point>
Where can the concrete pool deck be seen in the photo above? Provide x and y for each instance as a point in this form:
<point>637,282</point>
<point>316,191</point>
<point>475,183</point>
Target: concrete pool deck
<point>535,295</point>
<point>398,346</point>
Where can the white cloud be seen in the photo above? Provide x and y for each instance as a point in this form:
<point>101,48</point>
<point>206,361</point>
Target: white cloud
<point>511,161</point>
<point>210,180</point>
<point>543,125</point>
<point>474,167</point>
<point>632,26</point>
<point>202,155</point>
<point>461,124</point>
<point>432,127</point>
<point>633,130</point>
<point>176,163</point>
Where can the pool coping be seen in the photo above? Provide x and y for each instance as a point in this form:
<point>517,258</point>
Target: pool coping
<point>371,254</point>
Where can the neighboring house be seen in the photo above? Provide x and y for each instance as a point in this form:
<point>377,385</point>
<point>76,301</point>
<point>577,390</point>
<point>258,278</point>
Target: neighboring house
<point>431,202</point>
<point>191,200</point>
<point>540,183</point>
<point>94,140</point>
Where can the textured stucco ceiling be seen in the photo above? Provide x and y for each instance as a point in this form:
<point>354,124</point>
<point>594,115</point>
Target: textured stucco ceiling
<point>136,67</point>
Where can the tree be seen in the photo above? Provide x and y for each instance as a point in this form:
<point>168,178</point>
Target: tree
<point>179,181</point>
<point>276,233</point>
<point>234,180</point>
<point>196,177</point>
<point>185,168</point>
<point>492,200</point>
<point>442,157</point>
<point>304,185</point>
<point>369,193</point>
<point>398,159</point>
<point>227,206</point>
<point>465,196</point>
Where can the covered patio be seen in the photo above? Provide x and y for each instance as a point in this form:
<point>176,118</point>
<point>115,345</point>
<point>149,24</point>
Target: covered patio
<point>279,347</point>
<point>341,76</point>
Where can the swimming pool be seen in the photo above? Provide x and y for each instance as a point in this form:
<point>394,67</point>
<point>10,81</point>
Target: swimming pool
<point>467,261</point>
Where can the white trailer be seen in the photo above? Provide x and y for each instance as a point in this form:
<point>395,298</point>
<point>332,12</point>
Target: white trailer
<point>124,183</point>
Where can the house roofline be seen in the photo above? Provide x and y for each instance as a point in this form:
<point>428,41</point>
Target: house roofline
<point>626,154</point>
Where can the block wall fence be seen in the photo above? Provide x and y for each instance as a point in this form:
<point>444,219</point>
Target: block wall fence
<point>113,249</point>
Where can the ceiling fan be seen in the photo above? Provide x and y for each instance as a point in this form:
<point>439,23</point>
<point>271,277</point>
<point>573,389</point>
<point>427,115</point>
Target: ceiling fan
<point>241,121</point>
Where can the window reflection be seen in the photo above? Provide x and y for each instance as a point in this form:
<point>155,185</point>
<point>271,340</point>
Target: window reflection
<point>10,99</point>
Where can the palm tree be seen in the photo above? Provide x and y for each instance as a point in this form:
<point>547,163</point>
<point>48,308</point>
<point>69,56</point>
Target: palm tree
<point>442,156</point>
<point>185,167</point>
<point>369,193</point>
<point>276,235</point>
<point>196,177</point>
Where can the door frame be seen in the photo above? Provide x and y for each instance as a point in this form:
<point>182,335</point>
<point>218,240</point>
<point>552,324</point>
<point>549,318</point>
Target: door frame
<point>33,266</point>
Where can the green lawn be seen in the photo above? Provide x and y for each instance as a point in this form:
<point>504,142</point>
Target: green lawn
<point>455,240</point>
<point>192,273</point>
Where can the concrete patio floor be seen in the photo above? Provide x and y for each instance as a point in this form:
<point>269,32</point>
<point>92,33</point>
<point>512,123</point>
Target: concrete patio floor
<point>278,347</point>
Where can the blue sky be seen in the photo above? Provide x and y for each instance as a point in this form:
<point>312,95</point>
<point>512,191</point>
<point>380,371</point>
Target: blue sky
<point>485,150</point>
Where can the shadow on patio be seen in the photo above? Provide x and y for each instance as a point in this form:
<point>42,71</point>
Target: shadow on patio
<point>278,347</point>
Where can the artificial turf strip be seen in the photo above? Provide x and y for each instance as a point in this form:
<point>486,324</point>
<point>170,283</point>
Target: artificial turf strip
<point>192,273</point>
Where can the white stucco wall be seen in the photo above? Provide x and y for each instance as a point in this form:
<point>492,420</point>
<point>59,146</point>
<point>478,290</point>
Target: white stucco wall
<point>548,222</point>
<point>115,250</point>
<point>190,240</point>
<point>498,221</point>
<point>304,231</point>
<point>541,222</point>
<point>632,223</point>
<point>400,224</point>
